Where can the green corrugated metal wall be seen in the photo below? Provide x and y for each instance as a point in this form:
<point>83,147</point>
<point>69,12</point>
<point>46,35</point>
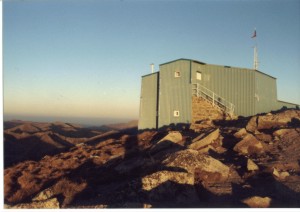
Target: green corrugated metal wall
<point>148,102</point>
<point>175,93</point>
<point>265,93</point>
<point>236,85</point>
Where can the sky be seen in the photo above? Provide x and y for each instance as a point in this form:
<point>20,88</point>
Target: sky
<point>82,60</point>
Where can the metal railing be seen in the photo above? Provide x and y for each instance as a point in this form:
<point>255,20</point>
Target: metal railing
<point>201,91</point>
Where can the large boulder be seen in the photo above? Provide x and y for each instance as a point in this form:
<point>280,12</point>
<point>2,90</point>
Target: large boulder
<point>173,136</point>
<point>172,139</point>
<point>170,186</point>
<point>278,120</point>
<point>204,140</point>
<point>271,121</point>
<point>156,179</point>
<point>249,145</point>
<point>177,174</point>
<point>190,160</point>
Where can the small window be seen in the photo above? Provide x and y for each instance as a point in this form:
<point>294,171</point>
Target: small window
<point>177,74</point>
<point>176,113</point>
<point>199,75</point>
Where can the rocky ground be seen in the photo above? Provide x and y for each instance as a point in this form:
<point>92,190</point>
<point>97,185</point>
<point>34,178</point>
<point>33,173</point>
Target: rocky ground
<point>248,162</point>
<point>25,140</point>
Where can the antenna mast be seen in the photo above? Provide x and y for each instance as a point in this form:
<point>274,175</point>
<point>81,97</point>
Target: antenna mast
<point>255,58</point>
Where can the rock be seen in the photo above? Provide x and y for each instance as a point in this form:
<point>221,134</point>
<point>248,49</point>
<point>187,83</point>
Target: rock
<point>249,145</point>
<point>276,173</point>
<point>172,139</point>
<point>154,180</point>
<point>44,195</point>
<point>283,175</point>
<point>173,136</point>
<point>241,133</point>
<point>206,149</point>
<point>269,121</point>
<point>251,166</point>
<point>280,132</point>
<point>158,185</point>
<point>258,202</point>
<point>279,120</point>
<point>280,175</point>
<point>264,137</point>
<point>290,133</point>
<point>190,160</point>
<point>46,204</point>
<point>209,139</point>
<point>252,124</point>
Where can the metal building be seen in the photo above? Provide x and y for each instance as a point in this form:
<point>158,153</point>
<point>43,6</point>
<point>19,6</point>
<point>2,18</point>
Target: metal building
<point>166,96</point>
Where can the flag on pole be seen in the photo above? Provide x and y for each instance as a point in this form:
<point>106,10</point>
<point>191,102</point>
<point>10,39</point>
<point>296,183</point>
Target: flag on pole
<point>254,34</point>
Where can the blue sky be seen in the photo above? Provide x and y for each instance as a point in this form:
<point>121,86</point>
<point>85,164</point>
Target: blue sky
<point>85,58</point>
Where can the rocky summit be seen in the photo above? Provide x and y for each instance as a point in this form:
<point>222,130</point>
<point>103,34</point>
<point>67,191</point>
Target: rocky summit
<point>247,162</point>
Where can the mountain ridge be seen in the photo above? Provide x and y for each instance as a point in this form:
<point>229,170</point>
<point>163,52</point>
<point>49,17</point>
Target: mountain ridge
<point>33,140</point>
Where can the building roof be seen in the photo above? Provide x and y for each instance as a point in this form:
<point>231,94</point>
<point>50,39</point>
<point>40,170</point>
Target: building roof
<point>196,61</point>
<point>150,74</point>
<point>202,63</point>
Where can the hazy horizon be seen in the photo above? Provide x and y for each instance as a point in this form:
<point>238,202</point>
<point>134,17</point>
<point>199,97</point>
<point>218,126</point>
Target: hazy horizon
<point>85,121</point>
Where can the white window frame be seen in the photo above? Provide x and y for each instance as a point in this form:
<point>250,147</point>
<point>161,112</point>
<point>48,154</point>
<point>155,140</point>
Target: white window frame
<point>177,74</point>
<point>199,75</point>
<point>176,113</point>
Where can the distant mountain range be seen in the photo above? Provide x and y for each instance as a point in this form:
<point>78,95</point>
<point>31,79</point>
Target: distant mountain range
<point>32,140</point>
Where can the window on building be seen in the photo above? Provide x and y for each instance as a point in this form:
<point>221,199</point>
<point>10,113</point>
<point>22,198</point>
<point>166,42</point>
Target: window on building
<point>176,113</point>
<point>177,74</point>
<point>199,75</point>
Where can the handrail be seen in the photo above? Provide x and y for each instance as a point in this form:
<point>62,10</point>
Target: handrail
<point>216,100</point>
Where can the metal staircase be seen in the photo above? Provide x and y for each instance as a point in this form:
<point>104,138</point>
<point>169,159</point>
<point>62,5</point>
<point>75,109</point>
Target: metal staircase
<point>217,101</point>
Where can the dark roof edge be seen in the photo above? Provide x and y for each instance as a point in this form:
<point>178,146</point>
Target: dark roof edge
<point>287,102</point>
<point>150,74</point>
<point>196,61</point>
<point>249,69</point>
<point>264,74</point>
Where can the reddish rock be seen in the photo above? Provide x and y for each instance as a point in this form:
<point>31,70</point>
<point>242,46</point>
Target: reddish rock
<point>279,120</point>
<point>190,160</point>
<point>252,124</point>
<point>241,133</point>
<point>46,204</point>
<point>206,140</point>
<point>251,166</point>
<point>258,202</point>
<point>249,145</point>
